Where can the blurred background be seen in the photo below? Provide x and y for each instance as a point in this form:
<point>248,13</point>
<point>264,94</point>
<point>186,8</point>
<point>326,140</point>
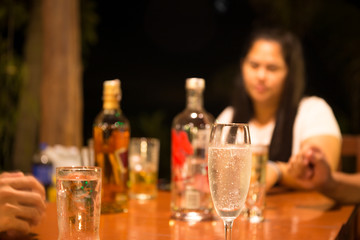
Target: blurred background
<point>55,55</point>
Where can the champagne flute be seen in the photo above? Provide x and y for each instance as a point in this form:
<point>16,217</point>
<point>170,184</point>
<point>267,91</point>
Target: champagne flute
<point>229,166</point>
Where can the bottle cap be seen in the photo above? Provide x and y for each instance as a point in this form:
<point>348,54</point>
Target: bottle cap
<point>195,83</point>
<point>112,88</point>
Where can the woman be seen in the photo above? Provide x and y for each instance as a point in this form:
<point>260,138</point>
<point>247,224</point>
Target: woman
<point>269,96</point>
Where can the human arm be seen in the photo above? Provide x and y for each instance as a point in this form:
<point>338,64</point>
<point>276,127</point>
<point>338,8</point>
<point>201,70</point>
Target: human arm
<point>345,188</point>
<point>315,125</point>
<point>329,146</point>
<point>273,174</point>
<point>22,203</point>
<point>312,171</point>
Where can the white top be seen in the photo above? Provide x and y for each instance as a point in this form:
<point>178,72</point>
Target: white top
<point>314,117</point>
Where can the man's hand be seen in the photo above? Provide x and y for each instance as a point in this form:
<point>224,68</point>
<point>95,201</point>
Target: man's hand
<point>311,169</point>
<point>22,203</point>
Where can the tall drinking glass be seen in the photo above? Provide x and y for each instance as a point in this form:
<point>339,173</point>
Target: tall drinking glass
<point>229,166</point>
<point>78,202</point>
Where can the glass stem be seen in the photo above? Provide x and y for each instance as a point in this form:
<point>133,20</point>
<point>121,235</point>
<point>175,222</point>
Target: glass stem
<point>228,228</point>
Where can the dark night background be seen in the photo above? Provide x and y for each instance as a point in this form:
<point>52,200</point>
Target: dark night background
<point>153,46</point>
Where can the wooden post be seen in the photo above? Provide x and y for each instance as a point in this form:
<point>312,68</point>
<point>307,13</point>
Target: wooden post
<point>61,90</point>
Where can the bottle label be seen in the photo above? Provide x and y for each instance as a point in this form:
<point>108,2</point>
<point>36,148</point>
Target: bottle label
<point>121,156</point>
<point>200,142</point>
<point>192,199</point>
<point>43,173</point>
<point>181,148</point>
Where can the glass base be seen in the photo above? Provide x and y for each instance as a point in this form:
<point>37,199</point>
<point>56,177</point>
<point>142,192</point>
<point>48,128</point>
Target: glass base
<point>142,196</point>
<point>193,215</point>
<point>256,219</point>
<point>77,236</point>
<point>113,207</point>
<point>253,215</point>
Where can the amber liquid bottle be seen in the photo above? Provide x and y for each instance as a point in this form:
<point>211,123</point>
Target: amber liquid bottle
<point>190,133</point>
<point>111,135</point>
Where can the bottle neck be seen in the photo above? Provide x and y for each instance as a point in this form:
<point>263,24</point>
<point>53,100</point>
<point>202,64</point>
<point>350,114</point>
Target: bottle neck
<point>111,104</point>
<point>194,99</point>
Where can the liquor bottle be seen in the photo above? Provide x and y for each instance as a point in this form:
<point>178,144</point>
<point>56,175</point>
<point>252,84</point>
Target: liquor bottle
<point>190,193</point>
<point>111,135</point>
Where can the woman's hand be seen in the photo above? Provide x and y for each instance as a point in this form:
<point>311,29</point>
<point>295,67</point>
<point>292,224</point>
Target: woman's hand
<point>22,203</point>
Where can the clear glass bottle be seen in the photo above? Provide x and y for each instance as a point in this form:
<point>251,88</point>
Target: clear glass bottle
<point>111,135</point>
<point>190,194</point>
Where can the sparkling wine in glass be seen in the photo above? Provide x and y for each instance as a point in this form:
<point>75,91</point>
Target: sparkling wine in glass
<point>229,164</point>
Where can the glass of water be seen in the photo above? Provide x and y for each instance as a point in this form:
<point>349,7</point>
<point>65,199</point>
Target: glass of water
<point>78,202</point>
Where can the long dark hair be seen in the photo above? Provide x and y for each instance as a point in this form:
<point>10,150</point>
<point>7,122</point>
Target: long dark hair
<point>281,141</point>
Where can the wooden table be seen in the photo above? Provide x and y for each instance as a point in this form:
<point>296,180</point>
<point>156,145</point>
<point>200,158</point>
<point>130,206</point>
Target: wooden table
<point>288,215</point>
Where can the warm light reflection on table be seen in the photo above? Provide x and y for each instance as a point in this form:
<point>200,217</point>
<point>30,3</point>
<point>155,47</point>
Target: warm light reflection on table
<point>288,215</point>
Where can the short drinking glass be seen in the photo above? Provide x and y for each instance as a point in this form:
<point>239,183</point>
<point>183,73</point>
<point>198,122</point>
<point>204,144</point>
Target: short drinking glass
<point>78,202</point>
<point>229,163</point>
<point>143,166</point>
<point>255,202</point>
